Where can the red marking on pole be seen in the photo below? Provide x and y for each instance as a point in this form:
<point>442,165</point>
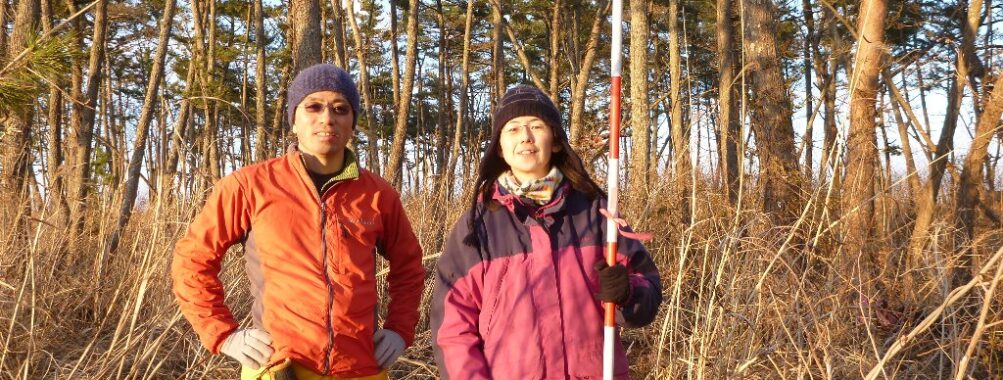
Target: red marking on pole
<point>614,118</point>
<point>614,153</point>
<point>610,308</point>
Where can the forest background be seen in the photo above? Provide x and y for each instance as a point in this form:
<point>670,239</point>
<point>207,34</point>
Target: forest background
<point>821,177</point>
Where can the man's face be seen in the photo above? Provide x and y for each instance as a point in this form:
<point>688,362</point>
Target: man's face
<point>323,124</point>
<point>526,144</point>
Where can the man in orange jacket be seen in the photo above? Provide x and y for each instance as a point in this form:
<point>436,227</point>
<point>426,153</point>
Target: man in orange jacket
<point>311,223</point>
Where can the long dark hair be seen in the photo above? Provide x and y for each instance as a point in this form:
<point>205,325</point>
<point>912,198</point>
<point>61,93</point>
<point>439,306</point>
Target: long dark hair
<point>493,165</point>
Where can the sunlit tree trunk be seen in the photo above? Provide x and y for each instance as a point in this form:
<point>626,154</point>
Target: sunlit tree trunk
<point>396,162</point>
<point>445,98</point>
<point>83,125</point>
<point>3,31</point>
<point>728,119</point>
<point>639,115</point>
<point>927,201</point>
<point>143,126</point>
<point>771,115</point>
<point>372,147</point>
<point>16,156</point>
<point>680,130</point>
<point>582,76</point>
<point>555,50</point>
<point>912,176</point>
<point>861,146</point>
<point>338,34</point>
<point>971,182</point>
<point>260,106</point>
<point>304,19</point>
<point>461,110</point>
<point>497,58</point>
<point>809,41</point>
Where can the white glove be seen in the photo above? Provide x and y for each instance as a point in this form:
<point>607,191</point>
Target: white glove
<point>251,347</point>
<point>389,346</point>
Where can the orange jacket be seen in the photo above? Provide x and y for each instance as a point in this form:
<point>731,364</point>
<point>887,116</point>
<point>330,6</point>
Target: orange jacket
<point>310,261</point>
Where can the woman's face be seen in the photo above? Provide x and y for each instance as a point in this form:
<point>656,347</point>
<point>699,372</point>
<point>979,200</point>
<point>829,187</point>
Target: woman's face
<point>526,144</point>
<point>323,124</point>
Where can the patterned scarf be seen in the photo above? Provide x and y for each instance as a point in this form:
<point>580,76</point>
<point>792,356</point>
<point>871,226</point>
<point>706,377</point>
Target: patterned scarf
<point>540,190</point>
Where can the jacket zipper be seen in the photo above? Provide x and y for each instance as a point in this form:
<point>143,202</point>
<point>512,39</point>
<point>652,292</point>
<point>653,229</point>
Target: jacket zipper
<point>327,275</point>
<point>330,289</point>
<point>327,278</point>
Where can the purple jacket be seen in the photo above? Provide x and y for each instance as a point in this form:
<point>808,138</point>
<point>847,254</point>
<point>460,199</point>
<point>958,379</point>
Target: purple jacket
<point>520,302</point>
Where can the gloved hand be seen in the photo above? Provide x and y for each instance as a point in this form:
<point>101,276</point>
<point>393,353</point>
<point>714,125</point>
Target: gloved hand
<point>389,346</point>
<point>251,347</point>
<point>614,286</point>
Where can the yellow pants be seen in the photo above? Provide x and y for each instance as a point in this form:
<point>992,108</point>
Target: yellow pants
<point>302,373</point>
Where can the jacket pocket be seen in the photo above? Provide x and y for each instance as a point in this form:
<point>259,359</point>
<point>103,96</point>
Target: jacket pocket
<point>588,361</point>
<point>515,359</point>
<point>495,280</point>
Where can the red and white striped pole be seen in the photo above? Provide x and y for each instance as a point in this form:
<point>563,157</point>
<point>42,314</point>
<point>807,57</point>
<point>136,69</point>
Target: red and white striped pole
<point>613,180</point>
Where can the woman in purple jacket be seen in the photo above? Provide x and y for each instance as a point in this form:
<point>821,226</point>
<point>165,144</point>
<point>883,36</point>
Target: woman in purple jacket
<point>520,284</point>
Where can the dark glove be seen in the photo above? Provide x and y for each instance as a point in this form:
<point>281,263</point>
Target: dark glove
<point>614,286</point>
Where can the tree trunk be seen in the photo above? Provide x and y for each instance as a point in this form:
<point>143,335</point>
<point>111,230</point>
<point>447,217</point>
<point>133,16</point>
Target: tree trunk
<point>965,65</point>
<point>680,132</point>
<point>582,76</point>
<point>883,125</point>
<point>54,194</point>
<point>450,172</point>
<point>400,129</point>
<point>555,50</point>
<point>372,147</point>
<point>521,53</point>
<point>179,134</point>
<point>639,112</point>
<point>246,156</point>
<point>971,181</point>
<point>304,19</point>
<point>3,31</point>
<point>84,114</point>
<point>830,68</point>
<point>861,146</point>
<point>904,104</point>
<point>445,99</point>
<point>497,58</point>
<point>771,115</point>
<point>809,40</point>
<point>159,150</point>
<point>211,132</point>
<point>911,174</point>
<point>111,109</point>
<point>260,107</point>
<point>927,201</point>
<point>279,118</point>
<point>340,55</point>
<point>143,126</point>
<point>395,72</point>
<point>15,146</point>
<point>922,98</point>
<point>728,120</point>
<point>969,32</point>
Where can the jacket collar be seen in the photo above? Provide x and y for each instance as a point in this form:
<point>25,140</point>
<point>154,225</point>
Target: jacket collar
<point>518,206</point>
<point>349,168</point>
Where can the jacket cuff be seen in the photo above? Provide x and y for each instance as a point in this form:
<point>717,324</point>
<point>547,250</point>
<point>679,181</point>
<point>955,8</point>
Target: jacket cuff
<point>408,338</point>
<point>212,340</point>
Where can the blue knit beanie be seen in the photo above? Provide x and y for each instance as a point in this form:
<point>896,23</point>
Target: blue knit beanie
<point>322,77</point>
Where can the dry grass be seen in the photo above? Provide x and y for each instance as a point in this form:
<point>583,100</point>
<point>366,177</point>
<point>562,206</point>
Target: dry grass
<point>742,298</point>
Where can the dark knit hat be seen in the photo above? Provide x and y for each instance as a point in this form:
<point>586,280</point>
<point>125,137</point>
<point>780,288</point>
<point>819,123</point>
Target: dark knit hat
<point>525,100</point>
<point>322,77</point>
